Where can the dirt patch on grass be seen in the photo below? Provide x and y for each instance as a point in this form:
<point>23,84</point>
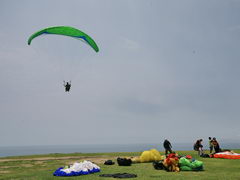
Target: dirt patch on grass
<point>41,159</point>
<point>4,172</point>
<point>26,165</point>
<point>5,167</point>
<point>38,162</point>
<point>95,159</point>
<point>20,165</point>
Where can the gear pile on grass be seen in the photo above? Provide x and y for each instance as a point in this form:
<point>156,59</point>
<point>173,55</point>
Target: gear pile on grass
<point>77,169</point>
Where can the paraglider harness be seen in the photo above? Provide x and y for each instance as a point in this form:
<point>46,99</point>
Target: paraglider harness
<point>124,161</point>
<point>159,165</point>
<point>67,86</point>
<point>109,162</point>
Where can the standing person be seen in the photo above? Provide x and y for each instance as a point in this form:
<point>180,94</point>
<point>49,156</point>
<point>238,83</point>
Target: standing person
<point>210,144</point>
<point>216,145</point>
<point>198,147</point>
<point>168,147</point>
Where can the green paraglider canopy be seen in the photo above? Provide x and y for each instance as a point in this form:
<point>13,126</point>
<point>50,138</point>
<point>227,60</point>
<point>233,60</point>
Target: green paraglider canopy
<point>66,31</point>
<point>187,165</point>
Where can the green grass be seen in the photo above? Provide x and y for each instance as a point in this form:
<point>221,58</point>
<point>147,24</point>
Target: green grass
<point>41,167</point>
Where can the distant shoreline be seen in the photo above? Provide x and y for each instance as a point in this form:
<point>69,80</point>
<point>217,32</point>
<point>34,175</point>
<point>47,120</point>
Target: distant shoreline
<point>97,148</point>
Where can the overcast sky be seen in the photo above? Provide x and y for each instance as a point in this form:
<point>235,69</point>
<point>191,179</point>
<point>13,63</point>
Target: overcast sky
<point>165,69</point>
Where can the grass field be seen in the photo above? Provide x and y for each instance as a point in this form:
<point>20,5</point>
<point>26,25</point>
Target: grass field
<point>41,167</point>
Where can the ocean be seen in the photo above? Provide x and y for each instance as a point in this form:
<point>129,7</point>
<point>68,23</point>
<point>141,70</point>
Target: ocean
<point>95,148</point>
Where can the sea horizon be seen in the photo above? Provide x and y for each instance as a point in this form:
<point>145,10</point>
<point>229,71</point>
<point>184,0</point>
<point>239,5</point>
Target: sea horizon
<point>6,151</point>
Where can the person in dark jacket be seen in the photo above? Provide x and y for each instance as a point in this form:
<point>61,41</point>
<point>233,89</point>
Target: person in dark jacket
<point>167,146</point>
<point>198,147</point>
<point>216,145</point>
<point>67,86</point>
<point>210,144</point>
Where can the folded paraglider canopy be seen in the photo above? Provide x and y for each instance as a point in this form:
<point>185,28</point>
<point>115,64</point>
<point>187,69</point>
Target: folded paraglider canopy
<point>77,169</point>
<point>190,165</point>
<point>171,162</point>
<point>227,155</point>
<point>148,156</point>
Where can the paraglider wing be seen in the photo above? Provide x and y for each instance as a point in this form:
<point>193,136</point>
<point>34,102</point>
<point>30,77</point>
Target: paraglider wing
<point>66,31</point>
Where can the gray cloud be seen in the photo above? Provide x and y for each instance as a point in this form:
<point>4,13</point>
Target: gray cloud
<point>162,65</point>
